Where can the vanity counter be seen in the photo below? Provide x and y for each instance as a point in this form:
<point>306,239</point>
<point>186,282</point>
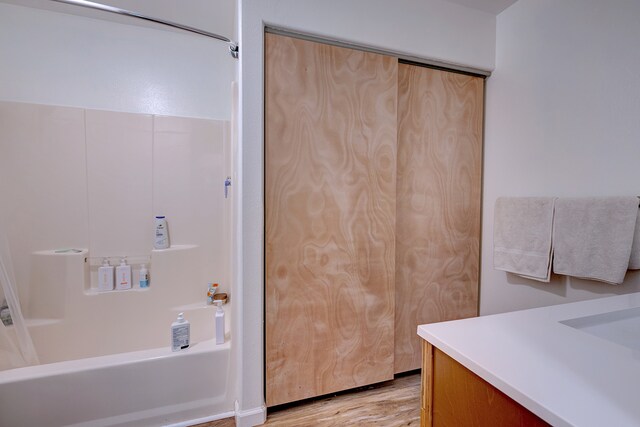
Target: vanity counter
<point>575,364</point>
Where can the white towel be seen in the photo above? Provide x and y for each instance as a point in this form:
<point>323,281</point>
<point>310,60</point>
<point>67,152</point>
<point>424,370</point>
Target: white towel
<point>522,230</point>
<point>634,259</point>
<point>592,237</point>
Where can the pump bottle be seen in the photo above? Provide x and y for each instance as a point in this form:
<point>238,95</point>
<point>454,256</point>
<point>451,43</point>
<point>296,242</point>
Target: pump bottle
<point>105,276</point>
<point>123,275</point>
<point>219,322</point>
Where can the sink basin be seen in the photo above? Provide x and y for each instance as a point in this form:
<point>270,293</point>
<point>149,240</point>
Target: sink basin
<point>620,327</point>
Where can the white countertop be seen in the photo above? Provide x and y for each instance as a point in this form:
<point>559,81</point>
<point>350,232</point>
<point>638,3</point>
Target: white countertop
<point>566,376</point>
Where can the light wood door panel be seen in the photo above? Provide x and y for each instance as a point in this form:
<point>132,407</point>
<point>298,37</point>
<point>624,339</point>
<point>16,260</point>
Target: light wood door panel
<point>330,189</point>
<point>440,116</point>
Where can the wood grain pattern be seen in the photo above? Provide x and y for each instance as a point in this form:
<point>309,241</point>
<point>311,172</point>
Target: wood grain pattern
<point>330,188</point>
<point>426,391</point>
<point>461,398</point>
<point>440,116</point>
<point>389,404</point>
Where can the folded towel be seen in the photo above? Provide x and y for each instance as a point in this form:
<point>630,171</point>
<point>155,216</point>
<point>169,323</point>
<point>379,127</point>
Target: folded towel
<point>592,237</point>
<point>634,259</point>
<point>522,230</point>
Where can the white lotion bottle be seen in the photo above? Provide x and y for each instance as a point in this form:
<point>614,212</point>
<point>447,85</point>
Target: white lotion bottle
<point>144,276</point>
<point>123,275</point>
<point>105,276</point>
<point>219,322</point>
<point>161,240</point>
<point>180,333</point>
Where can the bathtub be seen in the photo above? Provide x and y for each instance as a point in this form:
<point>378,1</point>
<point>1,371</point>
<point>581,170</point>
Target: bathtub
<point>106,357</point>
<point>143,388</point>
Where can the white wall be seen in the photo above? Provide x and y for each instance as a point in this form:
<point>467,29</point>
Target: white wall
<point>562,119</point>
<point>62,59</point>
<point>431,29</point>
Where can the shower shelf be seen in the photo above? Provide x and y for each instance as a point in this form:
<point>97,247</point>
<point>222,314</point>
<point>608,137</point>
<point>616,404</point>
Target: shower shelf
<point>93,291</point>
<point>96,261</point>
<point>194,306</point>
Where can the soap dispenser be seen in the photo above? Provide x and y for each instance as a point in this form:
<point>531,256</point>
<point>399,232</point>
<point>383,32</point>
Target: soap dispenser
<point>123,275</point>
<point>105,276</point>
<point>219,322</point>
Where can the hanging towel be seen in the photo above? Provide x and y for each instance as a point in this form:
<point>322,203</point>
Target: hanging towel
<point>592,237</point>
<point>522,230</point>
<point>634,259</point>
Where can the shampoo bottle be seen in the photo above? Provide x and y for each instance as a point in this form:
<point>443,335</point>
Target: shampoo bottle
<point>219,322</point>
<point>161,240</point>
<point>144,276</point>
<point>123,275</point>
<point>105,276</point>
<point>180,332</point>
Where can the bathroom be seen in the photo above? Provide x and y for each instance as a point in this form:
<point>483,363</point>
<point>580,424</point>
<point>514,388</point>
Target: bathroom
<point>560,119</point>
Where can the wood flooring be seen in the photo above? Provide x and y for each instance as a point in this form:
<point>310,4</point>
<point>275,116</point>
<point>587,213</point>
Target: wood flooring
<point>390,404</point>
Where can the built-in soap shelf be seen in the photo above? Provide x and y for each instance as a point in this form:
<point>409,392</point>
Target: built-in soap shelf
<point>193,307</point>
<point>162,257</point>
<point>135,288</point>
<point>96,261</point>
<point>134,261</point>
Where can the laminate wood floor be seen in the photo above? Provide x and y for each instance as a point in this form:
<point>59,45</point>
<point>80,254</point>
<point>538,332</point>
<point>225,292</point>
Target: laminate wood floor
<point>393,403</point>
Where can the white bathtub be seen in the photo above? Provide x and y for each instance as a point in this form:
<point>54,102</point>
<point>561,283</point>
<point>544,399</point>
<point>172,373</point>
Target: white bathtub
<point>142,388</point>
<point>106,357</point>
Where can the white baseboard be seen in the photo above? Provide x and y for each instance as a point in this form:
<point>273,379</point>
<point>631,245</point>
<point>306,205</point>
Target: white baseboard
<point>203,420</point>
<point>251,417</point>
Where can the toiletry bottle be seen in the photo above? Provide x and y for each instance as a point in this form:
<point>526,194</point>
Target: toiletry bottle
<point>123,275</point>
<point>105,276</point>
<point>144,276</point>
<point>161,240</point>
<point>180,331</point>
<point>219,323</point>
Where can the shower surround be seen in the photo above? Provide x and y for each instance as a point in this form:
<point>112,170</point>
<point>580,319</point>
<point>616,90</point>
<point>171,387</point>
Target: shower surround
<point>92,181</point>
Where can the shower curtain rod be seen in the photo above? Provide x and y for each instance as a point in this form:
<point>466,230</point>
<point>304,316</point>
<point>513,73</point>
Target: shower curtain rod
<point>233,46</point>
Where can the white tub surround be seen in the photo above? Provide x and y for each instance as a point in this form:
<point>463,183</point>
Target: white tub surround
<point>571,365</point>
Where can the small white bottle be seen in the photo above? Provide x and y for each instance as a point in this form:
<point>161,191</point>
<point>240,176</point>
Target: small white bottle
<point>219,322</point>
<point>180,333</point>
<point>161,240</point>
<point>123,275</point>
<point>105,276</point>
<point>144,276</point>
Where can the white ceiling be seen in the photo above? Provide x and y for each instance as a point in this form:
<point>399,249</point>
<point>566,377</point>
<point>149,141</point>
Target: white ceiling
<point>489,6</point>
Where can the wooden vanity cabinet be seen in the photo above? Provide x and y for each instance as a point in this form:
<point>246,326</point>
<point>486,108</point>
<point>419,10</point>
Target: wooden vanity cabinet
<point>453,396</point>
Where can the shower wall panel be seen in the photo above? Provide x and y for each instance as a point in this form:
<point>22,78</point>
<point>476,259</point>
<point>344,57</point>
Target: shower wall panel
<point>43,189</point>
<point>119,165</point>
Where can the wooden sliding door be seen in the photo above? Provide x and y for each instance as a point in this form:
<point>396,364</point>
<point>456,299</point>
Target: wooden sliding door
<point>440,116</point>
<point>330,194</point>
